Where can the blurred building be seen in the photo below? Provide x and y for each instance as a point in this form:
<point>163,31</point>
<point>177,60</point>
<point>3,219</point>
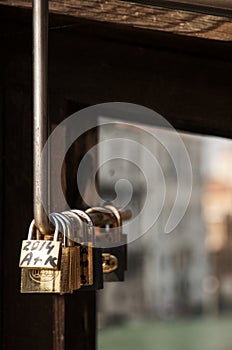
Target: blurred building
<point>166,272</point>
<point>217,202</point>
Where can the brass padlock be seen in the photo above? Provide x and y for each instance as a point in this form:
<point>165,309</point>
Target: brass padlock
<point>75,250</point>
<point>92,274</point>
<point>75,260</point>
<point>86,252</point>
<point>65,279</point>
<point>115,255</point>
<point>122,236</point>
<point>43,280</point>
<point>70,281</point>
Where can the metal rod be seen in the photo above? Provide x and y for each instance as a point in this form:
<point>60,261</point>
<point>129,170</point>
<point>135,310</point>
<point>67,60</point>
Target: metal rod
<point>40,106</point>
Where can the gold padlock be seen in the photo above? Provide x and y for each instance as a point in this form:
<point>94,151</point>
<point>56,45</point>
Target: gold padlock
<point>74,247</point>
<point>115,258</point>
<point>75,262</point>
<point>71,279</point>
<point>86,248</point>
<point>122,237</point>
<point>54,281</point>
<point>44,280</point>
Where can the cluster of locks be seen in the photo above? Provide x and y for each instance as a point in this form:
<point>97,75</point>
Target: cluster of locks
<point>79,255</point>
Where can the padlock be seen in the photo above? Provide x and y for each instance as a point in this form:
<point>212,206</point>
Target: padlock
<point>71,280</point>
<point>43,280</point>
<point>122,236</point>
<point>92,274</point>
<point>75,248</point>
<point>113,246</point>
<point>86,254</point>
<point>114,256</point>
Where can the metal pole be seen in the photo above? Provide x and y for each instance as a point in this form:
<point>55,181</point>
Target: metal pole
<point>40,106</point>
<point>40,131</point>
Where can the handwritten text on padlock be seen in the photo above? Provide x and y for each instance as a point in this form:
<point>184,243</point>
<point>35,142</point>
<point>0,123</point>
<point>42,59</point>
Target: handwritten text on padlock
<point>40,254</point>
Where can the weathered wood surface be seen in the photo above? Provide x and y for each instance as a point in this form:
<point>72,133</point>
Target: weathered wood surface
<point>141,16</point>
<point>208,4</point>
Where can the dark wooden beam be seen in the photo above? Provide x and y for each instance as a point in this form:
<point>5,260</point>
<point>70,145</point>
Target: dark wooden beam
<point>218,7</point>
<point>206,4</point>
<point>141,16</point>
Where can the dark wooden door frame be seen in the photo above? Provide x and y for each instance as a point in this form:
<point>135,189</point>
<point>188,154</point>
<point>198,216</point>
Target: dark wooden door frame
<point>217,7</point>
<point>145,14</point>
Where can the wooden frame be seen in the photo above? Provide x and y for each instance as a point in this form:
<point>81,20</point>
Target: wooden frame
<point>137,15</point>
<point>219,4</point>
<point>209,6</point>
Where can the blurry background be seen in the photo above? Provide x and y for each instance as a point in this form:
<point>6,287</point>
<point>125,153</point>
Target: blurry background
<point>177,292</point>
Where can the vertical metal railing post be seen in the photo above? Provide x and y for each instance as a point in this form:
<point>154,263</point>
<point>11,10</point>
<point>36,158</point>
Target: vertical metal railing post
<point>40,106</point>
<point>40,134</point>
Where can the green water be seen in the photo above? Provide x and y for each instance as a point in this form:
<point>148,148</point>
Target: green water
<point>199,334</point>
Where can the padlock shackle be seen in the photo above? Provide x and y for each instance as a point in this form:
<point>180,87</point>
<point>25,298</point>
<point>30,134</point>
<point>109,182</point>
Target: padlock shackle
<point>30,231</point>
<point>84,224</point>
<point>89,222</point>
<point>56,232</point>
<point>77,219</point>
<point>118,217</point>
<point>69,227</point>
<point>65,223</point>
<point>115,212</point>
